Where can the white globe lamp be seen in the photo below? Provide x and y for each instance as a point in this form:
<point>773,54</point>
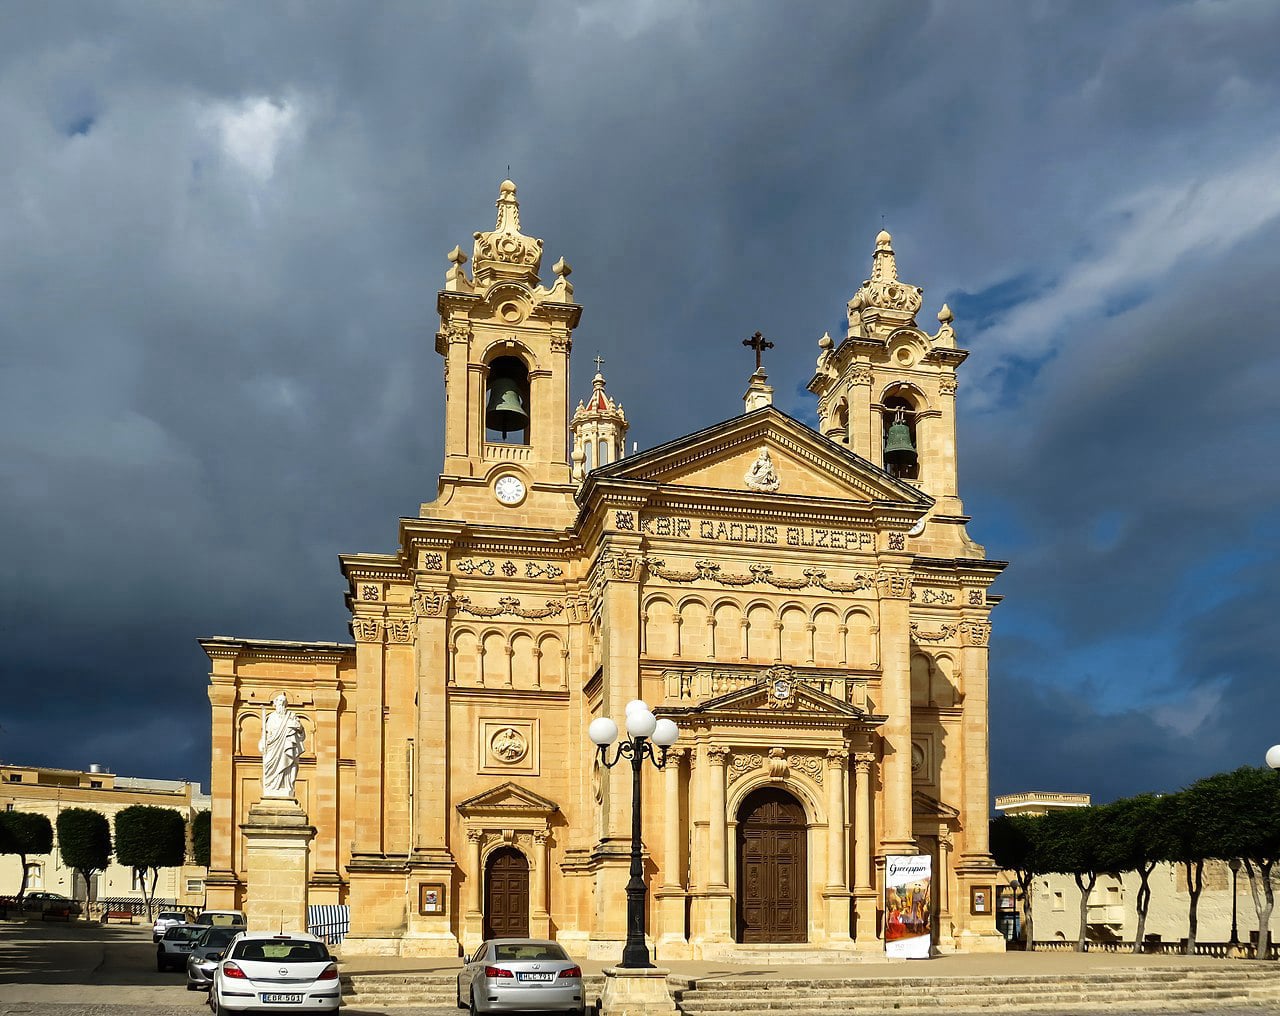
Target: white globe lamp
<point>641,723</point>
<point>602,731</point>
<point>665,733</point>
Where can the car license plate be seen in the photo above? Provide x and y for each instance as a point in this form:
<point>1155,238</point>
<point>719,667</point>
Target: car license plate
<point>276,996</point>
<point>537,977</point>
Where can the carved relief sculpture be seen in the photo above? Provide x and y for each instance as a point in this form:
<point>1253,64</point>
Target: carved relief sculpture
<point>762,476</point>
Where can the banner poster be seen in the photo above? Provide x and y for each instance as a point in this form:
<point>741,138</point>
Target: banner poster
<point>908,904</point>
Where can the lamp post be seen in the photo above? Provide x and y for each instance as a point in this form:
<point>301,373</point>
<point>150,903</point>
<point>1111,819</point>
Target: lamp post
<point>1234,865</point>
<point>644,730</point>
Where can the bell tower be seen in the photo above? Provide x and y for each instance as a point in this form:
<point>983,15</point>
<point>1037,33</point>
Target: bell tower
<point>888,389</point>
<point>505,340</point>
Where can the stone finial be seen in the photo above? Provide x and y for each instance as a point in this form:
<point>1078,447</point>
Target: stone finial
<point>562,268</point>
<point>456,277</point>
<point>505,252</point>
<point>883,303</point>
<point>759,392</point>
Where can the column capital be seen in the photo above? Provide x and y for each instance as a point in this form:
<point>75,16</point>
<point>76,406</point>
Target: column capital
<point>863,760</point>
<point>837,758</point>
<point>475,835</point>
<point>718,754</point>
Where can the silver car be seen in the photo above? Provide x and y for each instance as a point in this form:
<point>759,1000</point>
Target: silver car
<point>205,953</point>
<point>520,975</point>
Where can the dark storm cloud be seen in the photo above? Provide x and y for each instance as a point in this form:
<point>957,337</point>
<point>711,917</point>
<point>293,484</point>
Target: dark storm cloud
<point>224,226</point>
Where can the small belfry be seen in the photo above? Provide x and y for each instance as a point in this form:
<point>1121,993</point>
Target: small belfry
<point>598,430</point>
<point>888,389</point>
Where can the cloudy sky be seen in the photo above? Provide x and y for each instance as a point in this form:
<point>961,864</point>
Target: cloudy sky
<point>222,228</point>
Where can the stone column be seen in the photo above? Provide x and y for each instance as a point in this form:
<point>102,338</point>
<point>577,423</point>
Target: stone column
<point>670,897</point>
<point>223,882</point>
<point>864,893</point>
<point>894,586</point>
<point>326,882</point>
<point>277,836</point>
<point>539,916</point>
<point>717,756</point>
<point>836,895</point>
<point>473,918</point>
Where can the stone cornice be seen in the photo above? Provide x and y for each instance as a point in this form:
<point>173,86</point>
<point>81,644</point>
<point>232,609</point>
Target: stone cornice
<point>223,646</point>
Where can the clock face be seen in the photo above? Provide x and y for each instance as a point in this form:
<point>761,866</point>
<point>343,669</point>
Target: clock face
<point>509,489</point>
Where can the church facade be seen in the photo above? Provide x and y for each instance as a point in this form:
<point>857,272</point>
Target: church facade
<point>804,603</point>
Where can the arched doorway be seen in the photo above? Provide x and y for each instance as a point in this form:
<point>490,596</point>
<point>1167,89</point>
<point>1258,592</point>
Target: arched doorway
<point>506,894</point>
<point>773,874</point>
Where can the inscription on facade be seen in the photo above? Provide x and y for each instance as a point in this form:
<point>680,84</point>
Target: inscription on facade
<point>682,527</point>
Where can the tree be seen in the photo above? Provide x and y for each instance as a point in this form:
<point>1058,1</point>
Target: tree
<point>1138,845</point>
<point>1077,842</point>
<point>1246,825</point>
<point>149,838</point>
<point>1185,819</point>
<point>200,833</point>
<point>1014,843</point>
<point>84,840</point>
<point>23,833</point>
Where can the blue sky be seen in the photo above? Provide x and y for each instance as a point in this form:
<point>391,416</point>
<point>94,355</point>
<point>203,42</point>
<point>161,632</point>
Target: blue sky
<point>222,227</point>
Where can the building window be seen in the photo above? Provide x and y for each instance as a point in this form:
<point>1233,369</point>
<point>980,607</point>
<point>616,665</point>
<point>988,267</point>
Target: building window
<point>1058,902</point>
<point>15,777</point>
<point>95,784</point>
<point>35,875</point>
<point>9,806</point>
<point>195,885</point>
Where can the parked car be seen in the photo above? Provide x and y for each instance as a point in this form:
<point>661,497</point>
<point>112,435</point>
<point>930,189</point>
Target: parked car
<point>45,902</point>
<point>175,946</point>
<point>222,918</point>
<point>165,920</point>
<point>205,953</point>
<point>520,975</point>
<point>261,972</point>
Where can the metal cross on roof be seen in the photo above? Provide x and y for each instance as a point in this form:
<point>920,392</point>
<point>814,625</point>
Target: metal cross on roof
<point>599,362</point>
<point>759,343</point>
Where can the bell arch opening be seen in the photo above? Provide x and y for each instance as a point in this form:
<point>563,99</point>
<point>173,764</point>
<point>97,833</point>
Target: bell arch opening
<point>506,402</point>
<point>901,441</point>
<point>773,876</point>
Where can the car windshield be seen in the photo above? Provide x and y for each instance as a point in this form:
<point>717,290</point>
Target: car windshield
<point>216,938</point>
<point>529,951</point>
<point>183,933</point>
<point>221,920</point>
<point>281,951</point>
<point>169,915</point>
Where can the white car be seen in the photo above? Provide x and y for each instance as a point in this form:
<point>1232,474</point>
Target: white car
<point>165,920</point>
<point>261,972</point>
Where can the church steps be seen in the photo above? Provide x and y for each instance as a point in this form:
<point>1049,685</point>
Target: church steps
<point>1137,989</point>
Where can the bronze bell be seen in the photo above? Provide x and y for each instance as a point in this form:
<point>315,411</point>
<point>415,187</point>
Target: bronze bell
<point>898,449</point>
<point>505,411</point>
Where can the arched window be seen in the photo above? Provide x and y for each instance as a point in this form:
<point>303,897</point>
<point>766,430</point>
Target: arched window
<point>506,402</point>
<point>901,447</point>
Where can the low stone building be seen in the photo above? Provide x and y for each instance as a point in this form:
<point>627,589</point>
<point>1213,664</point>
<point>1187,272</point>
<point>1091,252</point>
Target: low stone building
<point>49,791</point>
<point>805,603</point>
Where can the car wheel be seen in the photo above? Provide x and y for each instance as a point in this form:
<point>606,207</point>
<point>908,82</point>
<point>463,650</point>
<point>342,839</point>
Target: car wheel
<point>161,965</point>
<point>190,986</point>
<point>475,1010</point>
<point>461,1004</point>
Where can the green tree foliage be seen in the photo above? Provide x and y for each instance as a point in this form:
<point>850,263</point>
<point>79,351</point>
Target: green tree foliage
<point>24,833</point>
<point>1137,846</point>
<point>200,832</point>
<point>1077,843</point>
<point>1015,845</point>
<point>149,838</point>
<point>84,840</point>
<point>1186,820</point>
<point>1245,824</point>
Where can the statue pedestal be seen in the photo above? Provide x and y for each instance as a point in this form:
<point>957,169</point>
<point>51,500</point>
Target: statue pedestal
<point>632,991</point>
<point>276,837</point>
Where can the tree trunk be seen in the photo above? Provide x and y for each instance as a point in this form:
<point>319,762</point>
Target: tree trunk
<point>1144,904</point>
<point>1195,883</point>
<point>22,887</point>
<point>1028,939</point>
<point>1263,903</point>
<point>1085,884</point>
<point>140,875</point>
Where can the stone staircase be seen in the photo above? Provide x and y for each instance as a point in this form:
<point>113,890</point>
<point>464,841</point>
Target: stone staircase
<point>1132,989</point>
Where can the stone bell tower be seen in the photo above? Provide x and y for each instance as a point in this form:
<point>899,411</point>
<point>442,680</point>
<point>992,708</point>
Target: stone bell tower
<point>598,429</point>
<point>505,340</point>
<point>888,389</point>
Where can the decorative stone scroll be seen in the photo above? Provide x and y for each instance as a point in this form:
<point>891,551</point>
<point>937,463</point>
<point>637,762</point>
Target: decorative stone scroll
<point>508,605</point>
<point>509,569</point>
<point>709,571</point>
<point>894,585</point>
<point>975,633</point>
<point>366,629</point>
<point>931,596</point>
<point>434,603</point>
<point>810,765</point>
<point>624,567</point>
<point>947,631</point>
<point>399,629</point>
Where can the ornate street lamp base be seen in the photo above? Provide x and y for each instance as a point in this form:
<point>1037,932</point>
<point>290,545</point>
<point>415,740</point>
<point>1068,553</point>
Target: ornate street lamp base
<point>636,991</point>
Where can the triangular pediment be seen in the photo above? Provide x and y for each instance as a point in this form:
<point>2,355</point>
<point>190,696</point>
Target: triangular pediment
<point>926,804</point>
<point>781,694</point>
<point>764,453</point>
<point>508,799</point>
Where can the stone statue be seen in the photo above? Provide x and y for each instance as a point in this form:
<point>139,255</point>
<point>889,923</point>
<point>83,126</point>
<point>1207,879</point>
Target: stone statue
<point>281,747</point>
<point>762,475</point>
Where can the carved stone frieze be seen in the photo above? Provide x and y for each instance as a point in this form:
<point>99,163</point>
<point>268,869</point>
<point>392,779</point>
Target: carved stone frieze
<point>399,629</point>
<point>369,591</point>
<point>744,763</point>
<point>810,765</point>
<point>860,374</point>
<point>431,561</point>
<point>932,596</point>
<point>947,631</point>
<point>947,386</point>
<point>704,570</point>
<point>622,566</point>
<point>366,629</point>
<point>508,605</point>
